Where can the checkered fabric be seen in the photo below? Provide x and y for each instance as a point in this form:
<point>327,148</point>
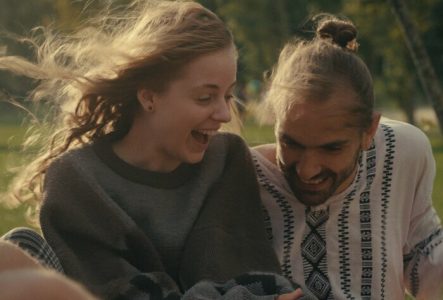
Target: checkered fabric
<point>34,244</point>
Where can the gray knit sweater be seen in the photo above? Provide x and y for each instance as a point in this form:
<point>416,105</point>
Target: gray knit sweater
<point>127,233</point>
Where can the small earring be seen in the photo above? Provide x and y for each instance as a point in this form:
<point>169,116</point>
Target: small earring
<point>150,108</point>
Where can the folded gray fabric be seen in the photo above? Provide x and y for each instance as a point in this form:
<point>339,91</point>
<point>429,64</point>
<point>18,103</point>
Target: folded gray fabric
<point>250,286</point>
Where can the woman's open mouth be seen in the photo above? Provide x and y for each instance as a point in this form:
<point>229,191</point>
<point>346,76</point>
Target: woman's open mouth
<point>202,136</point>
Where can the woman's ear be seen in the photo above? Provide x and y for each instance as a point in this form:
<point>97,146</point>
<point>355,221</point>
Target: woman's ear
<point>369,133</point>
<point>146,99</point>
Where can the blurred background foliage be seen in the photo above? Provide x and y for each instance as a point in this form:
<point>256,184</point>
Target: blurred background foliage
<point>261,27</point>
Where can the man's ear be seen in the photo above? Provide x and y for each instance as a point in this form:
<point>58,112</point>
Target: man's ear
<point>146,99</point>
<point>369,133</point>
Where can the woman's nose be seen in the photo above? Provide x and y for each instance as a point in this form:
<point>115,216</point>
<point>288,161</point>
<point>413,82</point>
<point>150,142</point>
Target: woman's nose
<point>222,112</point>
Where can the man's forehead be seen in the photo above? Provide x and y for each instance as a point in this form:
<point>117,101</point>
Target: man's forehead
<point>300,110</point>
<point>326,112</point>
<point>322,124</point>
<point>338,102</point>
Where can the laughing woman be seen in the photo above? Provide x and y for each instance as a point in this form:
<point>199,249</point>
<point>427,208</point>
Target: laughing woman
<point>140,195</point>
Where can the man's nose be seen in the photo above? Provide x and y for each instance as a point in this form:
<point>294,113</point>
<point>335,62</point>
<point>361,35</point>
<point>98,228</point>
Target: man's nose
<point>308,166</point>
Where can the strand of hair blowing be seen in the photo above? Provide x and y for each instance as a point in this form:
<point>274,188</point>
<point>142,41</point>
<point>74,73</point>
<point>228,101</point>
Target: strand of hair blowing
<point>89,78</point>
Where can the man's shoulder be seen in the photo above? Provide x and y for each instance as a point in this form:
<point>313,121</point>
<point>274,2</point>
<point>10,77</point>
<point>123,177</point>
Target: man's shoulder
<point>266,167</point>
<point>266,151</point>
<point>403,134</point>
<point>403,142</point>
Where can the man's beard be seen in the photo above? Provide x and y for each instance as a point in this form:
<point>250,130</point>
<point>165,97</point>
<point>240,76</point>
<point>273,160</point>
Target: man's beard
<point>320,196</point>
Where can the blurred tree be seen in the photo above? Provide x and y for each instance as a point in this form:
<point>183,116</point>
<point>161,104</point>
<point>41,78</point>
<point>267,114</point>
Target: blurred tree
<point>432,37</point>
<point>17,18</point>
<point>422,62</point>
<point>384,51</point>
<point>66,13</point>
<point>261,27</point>
<point>258,32</point>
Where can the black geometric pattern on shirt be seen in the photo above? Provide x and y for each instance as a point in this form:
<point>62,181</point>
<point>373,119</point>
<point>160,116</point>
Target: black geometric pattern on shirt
<point>365,225</point>
<point>313,249</point>
<point>422,249</point>
<point>385,197</point>
<point>268,224</point>
<point>343,238</point>
<point>288,219</point>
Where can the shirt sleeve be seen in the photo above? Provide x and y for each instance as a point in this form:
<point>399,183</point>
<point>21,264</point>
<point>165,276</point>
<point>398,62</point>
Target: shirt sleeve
<point>423,255</point>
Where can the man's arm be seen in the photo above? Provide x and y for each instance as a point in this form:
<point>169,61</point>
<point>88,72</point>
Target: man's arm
<point>423,255</point>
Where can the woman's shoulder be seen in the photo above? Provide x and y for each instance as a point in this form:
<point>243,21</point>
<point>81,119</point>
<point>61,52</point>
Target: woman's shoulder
<point>70,160</point>
<point>225,148</point>
<point>229,139</point>
<point>224,143</point>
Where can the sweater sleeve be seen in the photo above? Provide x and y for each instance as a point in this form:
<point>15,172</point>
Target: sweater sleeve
<point>106,251</point>
<point>423,258</point>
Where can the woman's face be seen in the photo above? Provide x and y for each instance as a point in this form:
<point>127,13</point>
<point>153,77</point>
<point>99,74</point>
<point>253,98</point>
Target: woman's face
<point>179,122</point>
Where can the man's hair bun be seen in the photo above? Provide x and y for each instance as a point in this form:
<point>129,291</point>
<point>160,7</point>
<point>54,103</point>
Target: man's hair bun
<point>340,32</point>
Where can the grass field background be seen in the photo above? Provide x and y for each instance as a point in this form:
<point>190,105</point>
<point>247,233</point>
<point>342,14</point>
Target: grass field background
<point>11,135</point>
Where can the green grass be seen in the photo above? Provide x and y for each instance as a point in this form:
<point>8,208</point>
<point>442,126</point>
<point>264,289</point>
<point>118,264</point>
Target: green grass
<point>11,136</point>
<point>256,134</point>
<point>437,195</point>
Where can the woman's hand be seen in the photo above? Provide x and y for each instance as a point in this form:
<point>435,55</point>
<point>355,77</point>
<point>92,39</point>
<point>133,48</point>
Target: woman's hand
<point>291,296</point>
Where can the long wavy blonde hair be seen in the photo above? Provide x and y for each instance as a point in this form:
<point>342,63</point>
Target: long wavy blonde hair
<point>90,77</point>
